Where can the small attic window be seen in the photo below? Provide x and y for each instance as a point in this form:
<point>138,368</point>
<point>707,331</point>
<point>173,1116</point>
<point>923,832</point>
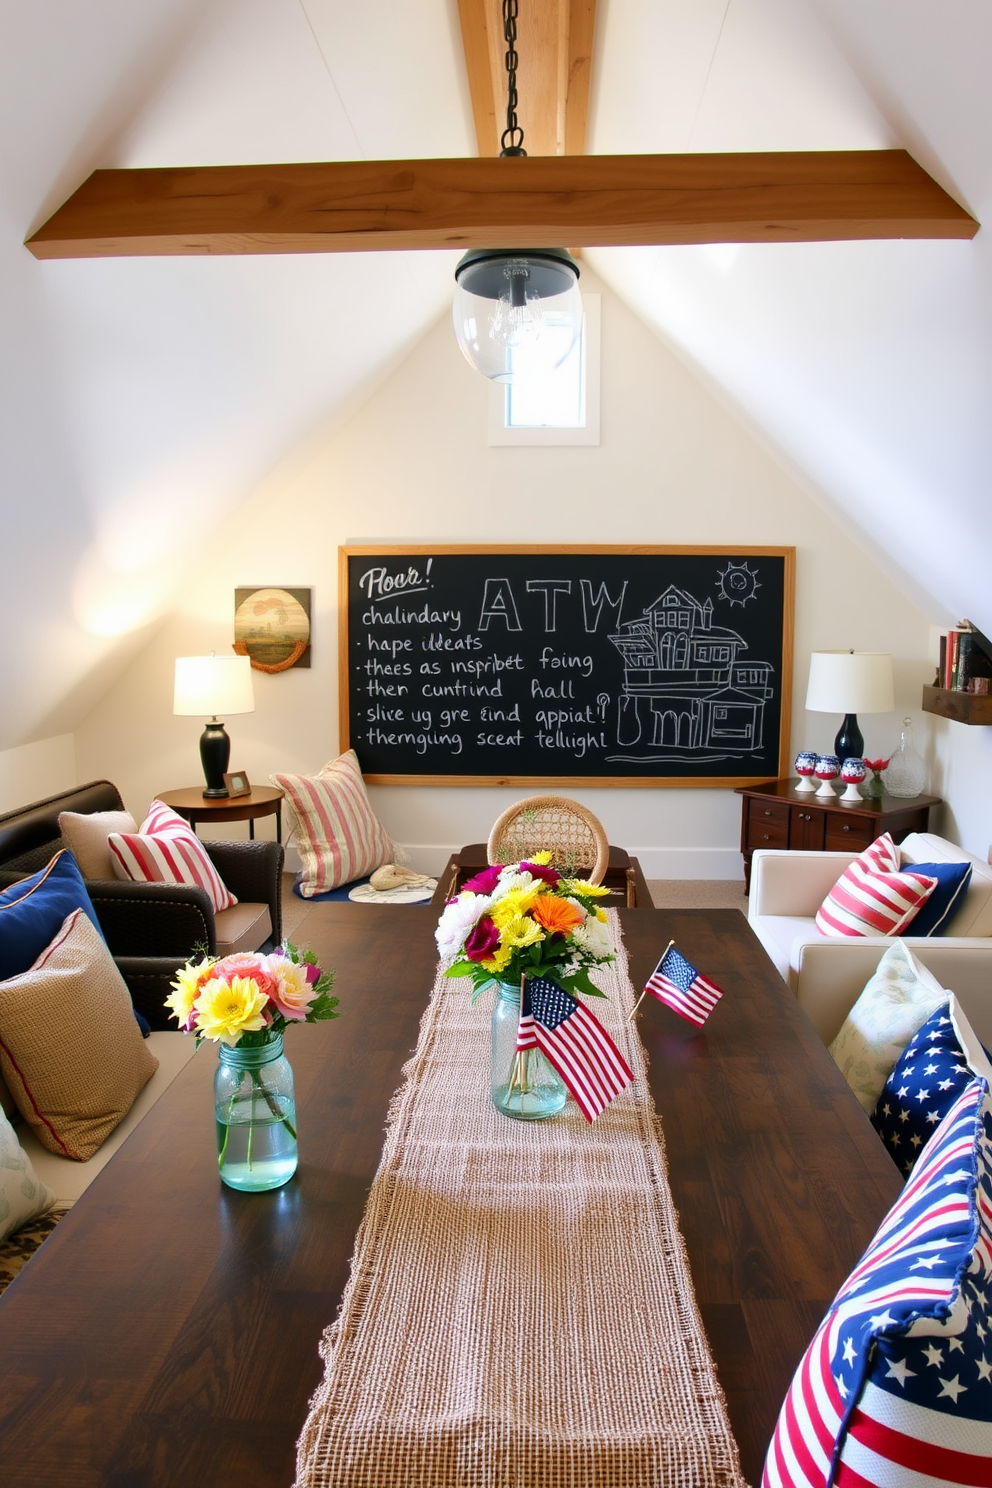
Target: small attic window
<point>561,407</point>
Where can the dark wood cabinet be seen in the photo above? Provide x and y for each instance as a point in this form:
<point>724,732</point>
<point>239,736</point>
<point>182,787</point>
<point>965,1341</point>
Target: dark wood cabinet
<point>776,814</point>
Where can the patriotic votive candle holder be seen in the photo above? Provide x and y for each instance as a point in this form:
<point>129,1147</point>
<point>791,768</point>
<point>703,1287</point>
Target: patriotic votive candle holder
<point>852,772</point>
<point>827,769</point>
<point>805,768</point>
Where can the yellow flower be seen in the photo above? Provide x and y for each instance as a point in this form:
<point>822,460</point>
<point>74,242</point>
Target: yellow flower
<point>498,960</point>
<point>544,858</point>
<point>514,904</point>
<point>227,1010</point>
<point>585,889</point>
<point>600,915</point>
<point>523,931</point>
<point>186,988</point>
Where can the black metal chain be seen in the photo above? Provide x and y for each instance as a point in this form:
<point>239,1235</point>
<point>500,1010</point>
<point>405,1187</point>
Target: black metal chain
<point>512,138</point>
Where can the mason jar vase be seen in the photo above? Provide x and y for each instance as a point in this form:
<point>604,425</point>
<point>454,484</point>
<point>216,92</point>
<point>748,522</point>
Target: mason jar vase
<point>255,1110</point>
<point>524,1085</point>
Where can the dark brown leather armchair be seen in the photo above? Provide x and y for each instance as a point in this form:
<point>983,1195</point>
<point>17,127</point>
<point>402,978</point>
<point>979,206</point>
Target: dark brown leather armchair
<point>149,920</point>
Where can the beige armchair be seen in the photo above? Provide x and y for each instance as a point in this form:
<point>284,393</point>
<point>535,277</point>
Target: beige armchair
<point>827,973</point>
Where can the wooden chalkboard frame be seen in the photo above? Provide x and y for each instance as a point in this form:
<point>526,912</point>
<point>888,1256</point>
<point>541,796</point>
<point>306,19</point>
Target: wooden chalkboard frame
<point>729,551</point>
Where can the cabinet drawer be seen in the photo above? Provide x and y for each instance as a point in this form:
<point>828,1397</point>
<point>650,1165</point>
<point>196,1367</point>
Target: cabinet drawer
<point>762,832</point>
<point>843,834</point>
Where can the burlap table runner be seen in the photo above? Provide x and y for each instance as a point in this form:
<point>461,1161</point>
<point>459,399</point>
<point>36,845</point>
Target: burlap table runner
<point>520,1309</point>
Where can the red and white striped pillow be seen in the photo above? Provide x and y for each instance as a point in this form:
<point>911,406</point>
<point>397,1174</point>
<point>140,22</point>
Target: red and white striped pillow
<point>872,897</point>
<point>338,835</point>
<point>167,850</point>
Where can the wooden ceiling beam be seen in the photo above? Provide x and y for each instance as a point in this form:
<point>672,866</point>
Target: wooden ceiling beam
<point>554,44</point>
<point>355,206</point>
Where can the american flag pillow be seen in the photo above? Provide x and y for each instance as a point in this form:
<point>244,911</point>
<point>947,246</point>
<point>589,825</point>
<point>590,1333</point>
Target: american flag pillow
<point>895,1391</point>
<point>872,897</point>
<point>940,1060</point>
<point>167,850</point>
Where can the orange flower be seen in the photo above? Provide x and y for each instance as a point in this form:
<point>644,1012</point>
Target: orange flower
<point>557,915</point>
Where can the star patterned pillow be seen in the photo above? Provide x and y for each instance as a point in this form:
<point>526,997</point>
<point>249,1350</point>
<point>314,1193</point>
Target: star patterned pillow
<point>936,1065</point>
<point>895,1391</point>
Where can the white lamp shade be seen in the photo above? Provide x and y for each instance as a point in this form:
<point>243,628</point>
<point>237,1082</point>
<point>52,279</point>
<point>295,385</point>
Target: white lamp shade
<point>850,682</point>
<point>213,686</point>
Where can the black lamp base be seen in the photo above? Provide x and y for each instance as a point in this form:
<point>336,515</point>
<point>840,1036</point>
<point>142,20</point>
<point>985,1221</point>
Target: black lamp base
<point>850,742</point>
<point>215,756</point>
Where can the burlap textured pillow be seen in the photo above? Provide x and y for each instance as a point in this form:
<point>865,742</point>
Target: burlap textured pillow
<point>85,835</point>
<point>338,835</point>
<point>70,1049</point>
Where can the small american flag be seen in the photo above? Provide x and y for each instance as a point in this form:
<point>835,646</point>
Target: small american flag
<point>574,1042</point>
<point>679,986</point>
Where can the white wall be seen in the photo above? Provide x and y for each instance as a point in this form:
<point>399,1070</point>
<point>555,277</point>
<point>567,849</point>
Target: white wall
<point>32,771</point>
<point>674,466</point>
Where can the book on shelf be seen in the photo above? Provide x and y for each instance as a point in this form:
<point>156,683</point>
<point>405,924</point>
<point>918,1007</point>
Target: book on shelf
<point>965,654</point>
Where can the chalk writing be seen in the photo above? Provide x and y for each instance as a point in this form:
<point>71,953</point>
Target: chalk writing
<point>549,664</point>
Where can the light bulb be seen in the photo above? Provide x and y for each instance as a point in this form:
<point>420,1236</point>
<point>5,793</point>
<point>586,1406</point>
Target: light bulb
<point>505,301</point>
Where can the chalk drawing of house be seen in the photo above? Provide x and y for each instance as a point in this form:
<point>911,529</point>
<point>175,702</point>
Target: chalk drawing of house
<point>684,689</point>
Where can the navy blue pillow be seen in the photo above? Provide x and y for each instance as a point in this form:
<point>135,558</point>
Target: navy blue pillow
<point>32,912</point>
<point>930,1074</point>
<point>936,914</point>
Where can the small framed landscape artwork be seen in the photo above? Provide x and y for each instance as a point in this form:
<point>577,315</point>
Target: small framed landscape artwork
<point>272,627</point>
<point>237,783</point>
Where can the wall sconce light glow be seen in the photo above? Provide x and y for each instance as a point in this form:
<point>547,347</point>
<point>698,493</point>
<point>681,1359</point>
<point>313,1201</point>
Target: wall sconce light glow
<point>110,602</point>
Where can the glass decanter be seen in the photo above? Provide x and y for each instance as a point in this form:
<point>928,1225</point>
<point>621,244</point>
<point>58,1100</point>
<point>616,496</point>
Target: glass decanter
<point>906,774</point>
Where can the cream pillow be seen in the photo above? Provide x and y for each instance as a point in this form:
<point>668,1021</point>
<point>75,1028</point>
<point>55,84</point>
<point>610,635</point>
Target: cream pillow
<point>85,835</point>
<point>23,1196</point>
<point>70,1048</point>
<point>896,1002</point>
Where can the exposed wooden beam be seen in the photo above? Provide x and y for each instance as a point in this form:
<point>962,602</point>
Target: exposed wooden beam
<point>351,206</point>
<point>581,34</point>
<point>554,43</point>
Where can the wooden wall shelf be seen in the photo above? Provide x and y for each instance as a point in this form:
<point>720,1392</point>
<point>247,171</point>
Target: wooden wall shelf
<point>963,707</point>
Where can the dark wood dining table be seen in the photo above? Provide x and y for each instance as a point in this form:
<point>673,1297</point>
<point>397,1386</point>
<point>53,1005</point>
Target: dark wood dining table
<point>167,1332</point>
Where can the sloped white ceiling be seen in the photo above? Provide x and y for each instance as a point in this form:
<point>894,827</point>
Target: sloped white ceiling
<point>143,399</point>
<point>866,364</point>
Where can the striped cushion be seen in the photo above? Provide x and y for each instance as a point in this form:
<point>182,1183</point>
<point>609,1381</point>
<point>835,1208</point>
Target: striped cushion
<point>167,850</point>
<point>872,897</point>
<point>338,835</point>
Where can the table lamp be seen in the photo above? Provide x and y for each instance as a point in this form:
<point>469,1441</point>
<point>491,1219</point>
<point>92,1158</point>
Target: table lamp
<point>209,685</point>
<point>850,682</point>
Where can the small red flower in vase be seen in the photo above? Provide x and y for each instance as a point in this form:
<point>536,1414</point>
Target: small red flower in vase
<point>875,789</point>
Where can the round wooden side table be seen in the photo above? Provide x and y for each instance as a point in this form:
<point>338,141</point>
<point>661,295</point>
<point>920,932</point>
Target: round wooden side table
<point>262,800</point>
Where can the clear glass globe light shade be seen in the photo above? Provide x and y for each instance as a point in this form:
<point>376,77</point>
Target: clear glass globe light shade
<point>494,329</point>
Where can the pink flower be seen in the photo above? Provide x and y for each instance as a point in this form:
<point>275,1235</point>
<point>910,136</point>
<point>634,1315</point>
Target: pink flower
<point>541,870</point>
<point>292,990</point>
<point>244,964</point>
<point>312,972</point>
<point>484,882</point>
<point>483,940</point>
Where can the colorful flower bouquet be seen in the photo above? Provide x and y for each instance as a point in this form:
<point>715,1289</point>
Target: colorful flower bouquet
<point>526,920</point>
<point>248,999</point>
<point>244,1003</point>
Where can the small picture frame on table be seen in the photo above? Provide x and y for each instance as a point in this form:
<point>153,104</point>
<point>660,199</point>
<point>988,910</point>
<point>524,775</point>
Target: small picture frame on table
<point>237,783</point>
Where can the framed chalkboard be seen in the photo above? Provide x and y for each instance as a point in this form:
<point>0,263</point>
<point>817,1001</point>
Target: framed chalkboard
<point>566,665</point>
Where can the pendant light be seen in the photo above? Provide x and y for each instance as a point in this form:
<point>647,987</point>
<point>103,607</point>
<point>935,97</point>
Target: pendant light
<point>516,307</point>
